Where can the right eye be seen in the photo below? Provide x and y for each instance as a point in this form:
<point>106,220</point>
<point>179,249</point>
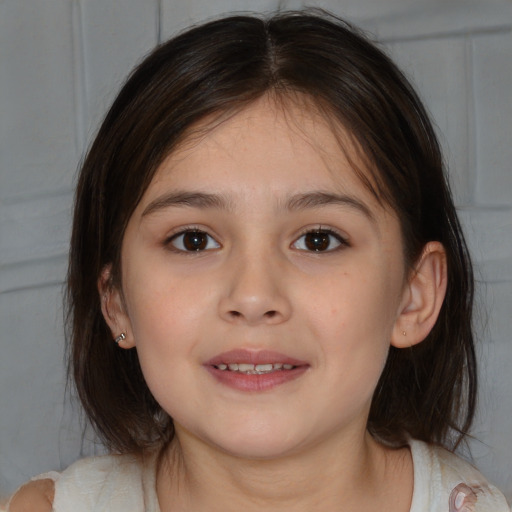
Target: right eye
<point>320,240</point>
<point>193,241</point>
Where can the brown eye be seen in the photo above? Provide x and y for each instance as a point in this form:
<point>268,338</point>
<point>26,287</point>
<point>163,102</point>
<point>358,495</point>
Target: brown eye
<point>194,241</point>
<point>319,241</point>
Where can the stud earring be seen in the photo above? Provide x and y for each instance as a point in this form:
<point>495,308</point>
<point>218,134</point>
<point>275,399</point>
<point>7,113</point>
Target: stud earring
<point>120,338</point>
<point>404,333</point>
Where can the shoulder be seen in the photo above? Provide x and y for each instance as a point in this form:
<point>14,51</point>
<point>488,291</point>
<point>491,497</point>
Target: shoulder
<point>102,468</point>
<point>35,496</point>
<point>108,483</point>
<point>452,482</point>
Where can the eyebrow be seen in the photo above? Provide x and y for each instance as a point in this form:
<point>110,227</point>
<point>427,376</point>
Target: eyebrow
<point>312,200</point>
<point>200,200</point>
<point>298,202</point>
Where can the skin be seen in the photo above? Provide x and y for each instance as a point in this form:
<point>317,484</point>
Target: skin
<point>256,284</point>
<point>36,496</point>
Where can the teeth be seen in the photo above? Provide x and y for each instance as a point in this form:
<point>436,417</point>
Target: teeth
<point>252,369</point>
<point>264,367</point>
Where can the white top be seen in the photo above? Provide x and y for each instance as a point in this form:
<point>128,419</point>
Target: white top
<point>443,482</point>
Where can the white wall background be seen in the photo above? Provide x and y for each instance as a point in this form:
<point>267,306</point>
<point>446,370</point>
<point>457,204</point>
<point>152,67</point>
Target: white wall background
<point>61,62</point>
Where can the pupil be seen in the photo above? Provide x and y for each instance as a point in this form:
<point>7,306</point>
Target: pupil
<point>317,241</point>
<point>195,241</point>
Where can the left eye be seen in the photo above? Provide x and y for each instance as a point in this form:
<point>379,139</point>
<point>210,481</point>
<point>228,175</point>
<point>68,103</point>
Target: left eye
<point>193,241</point>
<point>319,241</point>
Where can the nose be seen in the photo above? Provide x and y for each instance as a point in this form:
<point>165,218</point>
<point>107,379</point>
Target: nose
<point>255,292</point>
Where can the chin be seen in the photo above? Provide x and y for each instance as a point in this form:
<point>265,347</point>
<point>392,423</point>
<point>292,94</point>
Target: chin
<point>264,450</point>
<point>264,443</point>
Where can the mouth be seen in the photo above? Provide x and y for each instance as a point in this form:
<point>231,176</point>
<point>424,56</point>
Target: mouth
<point>247,370</point>
<point>254,369</point>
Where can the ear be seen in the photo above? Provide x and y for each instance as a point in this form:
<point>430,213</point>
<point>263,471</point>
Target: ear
<point>114,310</point>
<point>422,298</point>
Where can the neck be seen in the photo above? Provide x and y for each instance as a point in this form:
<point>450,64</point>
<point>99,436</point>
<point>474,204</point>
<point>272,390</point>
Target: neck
<point>354,474</point>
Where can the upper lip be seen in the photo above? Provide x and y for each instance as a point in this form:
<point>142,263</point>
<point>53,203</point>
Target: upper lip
<point>253,357</point>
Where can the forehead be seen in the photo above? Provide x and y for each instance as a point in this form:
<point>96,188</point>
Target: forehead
<point>276,142</point>
<point>263,166</point>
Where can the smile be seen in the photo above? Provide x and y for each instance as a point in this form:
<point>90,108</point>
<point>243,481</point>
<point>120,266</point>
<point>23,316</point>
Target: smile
<point>254,369</point>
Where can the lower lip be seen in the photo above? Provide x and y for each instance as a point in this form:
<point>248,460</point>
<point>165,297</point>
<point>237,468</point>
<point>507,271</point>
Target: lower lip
<point>262,382</point>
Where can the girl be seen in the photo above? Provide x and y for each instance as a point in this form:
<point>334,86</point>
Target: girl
<point>269,292</point>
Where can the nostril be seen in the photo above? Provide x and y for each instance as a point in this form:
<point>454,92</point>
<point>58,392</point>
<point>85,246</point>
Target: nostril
<point>268,314</point>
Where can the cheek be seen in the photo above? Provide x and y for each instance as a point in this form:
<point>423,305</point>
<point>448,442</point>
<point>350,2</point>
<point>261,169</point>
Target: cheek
<point>164,322</point>
<point>356,301</point>
<point>170,318</point>
<point>355,320</point>
<point>161,304</point>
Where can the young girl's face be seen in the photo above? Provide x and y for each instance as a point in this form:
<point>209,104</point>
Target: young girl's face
<point>257,245</point>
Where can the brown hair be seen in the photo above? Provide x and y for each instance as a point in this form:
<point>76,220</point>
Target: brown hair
<point>426,392</point>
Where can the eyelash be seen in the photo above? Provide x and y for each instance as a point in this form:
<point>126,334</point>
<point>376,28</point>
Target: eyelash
<point>341,240</point>
<point>189,230</point>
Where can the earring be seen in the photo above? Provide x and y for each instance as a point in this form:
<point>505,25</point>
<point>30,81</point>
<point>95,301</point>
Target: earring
<point>121,337</point>
<point>404,333</point>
